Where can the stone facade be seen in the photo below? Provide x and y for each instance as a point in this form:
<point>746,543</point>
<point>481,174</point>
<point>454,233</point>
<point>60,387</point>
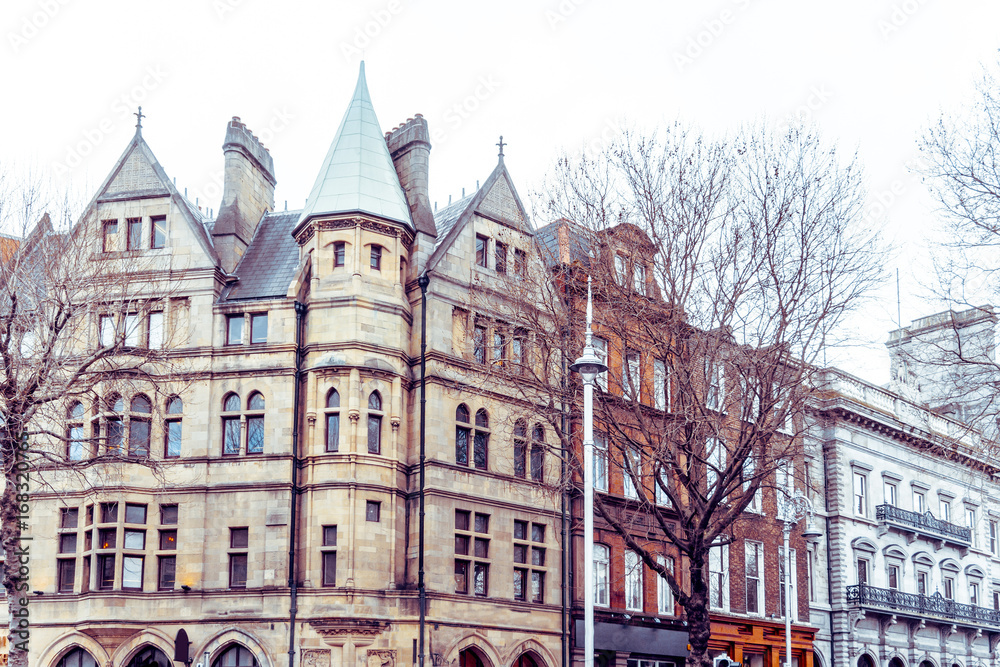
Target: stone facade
<point>911,514</point>
<point>297,350</point>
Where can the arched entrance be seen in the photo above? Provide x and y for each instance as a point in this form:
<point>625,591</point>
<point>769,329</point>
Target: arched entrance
<point>469,657</point>
<point>526,660</point>
<point>897,662</point>
<point>236,655</point>
<point>150,656</point>
<point>77,658</point>
<point>866,661</point>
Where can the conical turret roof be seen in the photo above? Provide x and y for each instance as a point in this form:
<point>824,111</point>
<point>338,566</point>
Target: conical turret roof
<point>358,174</point>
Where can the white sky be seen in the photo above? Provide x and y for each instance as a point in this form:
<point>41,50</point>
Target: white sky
<point>550,76</point>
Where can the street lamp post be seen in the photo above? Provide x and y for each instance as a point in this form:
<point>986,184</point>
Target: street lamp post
<point>589,366</point>
<point>794,508</point>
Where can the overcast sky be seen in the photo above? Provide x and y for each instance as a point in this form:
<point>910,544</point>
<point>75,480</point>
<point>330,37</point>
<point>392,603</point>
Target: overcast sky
<point>551,76</point>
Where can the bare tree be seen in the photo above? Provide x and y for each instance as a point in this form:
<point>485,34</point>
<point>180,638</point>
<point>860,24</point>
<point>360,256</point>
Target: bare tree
<point>721,268</point>
<point>953,362</point>
<point>69,332</point>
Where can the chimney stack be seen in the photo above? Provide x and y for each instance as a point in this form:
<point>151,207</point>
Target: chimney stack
<point>247,192</point>
<point>410,148</point>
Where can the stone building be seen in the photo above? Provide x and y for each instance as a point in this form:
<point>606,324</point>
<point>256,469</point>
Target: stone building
<point>907,574</point>
<point>282,523</point>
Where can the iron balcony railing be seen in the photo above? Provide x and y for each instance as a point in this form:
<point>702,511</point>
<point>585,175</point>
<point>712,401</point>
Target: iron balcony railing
<point>921,605</point>
<point>924,523</point>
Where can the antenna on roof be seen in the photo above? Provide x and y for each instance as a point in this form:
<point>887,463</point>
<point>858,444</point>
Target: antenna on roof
<point>449,200</point>
<point>175,181</point>
<point>463,193</point>
<point>477,184</point>
<point>286,204</point>
<point>185,193</point>
<point>196,202</point>
<point>435,207</point>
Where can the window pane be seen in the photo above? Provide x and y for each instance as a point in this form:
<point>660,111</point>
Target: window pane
<point>258,328</point>
<point>134,233</point>
<point>168,540</point>
<point>234,332</point>
<point>132,572</point>
<point>333,399</point>
<point>462,414</point>
<point>173,439</point>
<point>537,464</point>
<point>232,403</point>
<point>107,538</point>
<point>158,238</point>
<point>520,530</point>
<point>135,539</point>
<point>135,513</point>
<point>138,438</point>
<point>110,241</point>
<point>482,548</point>
<point>480,448</point>
<point>67,543</point>
<point>461,576</point>
<point>70,516</point>
<point>67,575</point>
<point>167,577</point>
<point>116,436</point>
<point>239,538</point>
<point>237,570</point>
<point>375,401</point>
<point>482,523</point>
<point>75,449</point>
<point>462,446</point>
<point>256,401</point>
<point>168,515</point>
<point>537,586</point>
<point>520,459</point>
<point>461,520</point>
<point>520,553</point>
<point>333,432</point>
<point>132,330</point>
<point>501,258</point>
<point>329,536</point>
<point>481,251</point>
<point>373,511</point>
<point>537,532</point>
<point>482,579</point>
<point>374,434</point>
<point>255,435</point>
<point>329,568</point>
<point>231,429</point>
<point>376,257</point>
<point>338,253</point>
<point>106,571</point>
<point>109,512</point>
<point>520,584</point>
<point>155,330</point>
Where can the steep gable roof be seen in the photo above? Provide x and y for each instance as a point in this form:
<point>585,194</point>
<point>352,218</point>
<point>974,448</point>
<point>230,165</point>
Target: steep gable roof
<point>357,174</point>
<point>138,175</point>
<point>497,199</point>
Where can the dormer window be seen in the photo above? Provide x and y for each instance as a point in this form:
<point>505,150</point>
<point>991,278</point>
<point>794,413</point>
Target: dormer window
<point>339,253</point>
<point>376,258</point>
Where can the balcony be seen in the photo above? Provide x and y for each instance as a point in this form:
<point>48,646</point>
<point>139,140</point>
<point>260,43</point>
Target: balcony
<point>922,606</point>
<point>925,525</point>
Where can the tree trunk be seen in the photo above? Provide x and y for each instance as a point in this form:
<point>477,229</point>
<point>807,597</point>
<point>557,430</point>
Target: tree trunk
<point>14,511</point>
<point>699,624</point>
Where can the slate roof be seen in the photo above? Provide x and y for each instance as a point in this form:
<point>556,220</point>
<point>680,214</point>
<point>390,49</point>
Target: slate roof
<point>563,242</point>
<point>358,174</point>
<point>268,266</point>
<point>446,218</point>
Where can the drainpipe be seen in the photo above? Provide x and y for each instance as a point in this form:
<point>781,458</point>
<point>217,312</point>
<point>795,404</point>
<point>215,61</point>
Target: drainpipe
<point>423,281</point>
<point>562,510</point>
<point>300,312</point>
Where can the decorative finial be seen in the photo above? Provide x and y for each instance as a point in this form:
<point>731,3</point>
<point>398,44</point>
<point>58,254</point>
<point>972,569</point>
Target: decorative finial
<point>501,144</point>
<point>138,119</point>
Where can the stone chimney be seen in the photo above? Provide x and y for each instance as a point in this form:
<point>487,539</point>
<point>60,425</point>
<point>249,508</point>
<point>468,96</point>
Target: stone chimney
<point>410,148</point>
<point>248,193</point>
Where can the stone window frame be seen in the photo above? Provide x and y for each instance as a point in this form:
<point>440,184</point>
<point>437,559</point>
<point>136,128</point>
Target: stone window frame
<point>861,471</point>
<point>328,550</point>
<point>374,419</point>
<point>331,415</point>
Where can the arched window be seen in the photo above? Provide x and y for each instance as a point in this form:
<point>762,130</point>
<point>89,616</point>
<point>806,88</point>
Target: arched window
<point>462,432</point>
<point>255,423</point>
<point>470,658</point>
<point>77,658</point>
<point>481,442</point>
<point>525,661</point>
<point>231,425</point>
<point>376,258</point>
<point>74,432</point>
<point>236,656</point>
<point>332,413</point>
<point>538,453</point>
<point>150,656</point>
<point>115,426</point>
<point>865,661</point>
<point>374,423</point>
<point>138,426</point>
<point>602,561</point>
<point>172,429</point>
<point>520,448</point>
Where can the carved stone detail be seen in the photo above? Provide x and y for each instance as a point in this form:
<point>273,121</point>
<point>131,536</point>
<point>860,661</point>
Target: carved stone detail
<point>381,657</point>
<point>314,657</point>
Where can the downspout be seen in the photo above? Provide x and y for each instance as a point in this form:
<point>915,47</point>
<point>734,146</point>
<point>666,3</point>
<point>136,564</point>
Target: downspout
<point>423,281</point>
<point>564,634</point>
<point>300,311</point>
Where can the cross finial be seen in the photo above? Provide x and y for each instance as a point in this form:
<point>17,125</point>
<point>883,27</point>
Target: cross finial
<point>501,144</point>
<point>138,118</point>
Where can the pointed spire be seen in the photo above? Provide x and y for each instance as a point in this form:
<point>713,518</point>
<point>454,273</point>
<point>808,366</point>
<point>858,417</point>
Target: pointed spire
<point>358,174</point>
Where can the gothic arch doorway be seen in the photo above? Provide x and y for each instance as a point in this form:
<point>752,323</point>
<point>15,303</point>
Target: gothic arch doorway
<point>236,655</point>
<point>470,657</point>
<point>149,656</point>
<point>77,658</point>
<point>526,660</point>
